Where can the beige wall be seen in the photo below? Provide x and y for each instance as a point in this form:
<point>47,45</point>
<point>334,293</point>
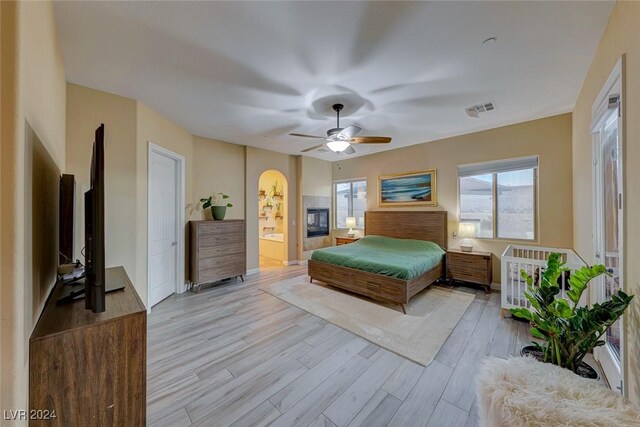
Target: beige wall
<point>211,166</point>
<point>153,127</point>
<point>622,36</point>
<point>316,177</point>
<point>218,168</point>
<point>550,138</point>
<point>86,109</point>
<point>258,161</point>
<point>32,83</point>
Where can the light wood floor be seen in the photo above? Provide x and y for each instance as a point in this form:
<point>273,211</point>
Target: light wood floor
<point>266,262</point>
<point>234,355</point>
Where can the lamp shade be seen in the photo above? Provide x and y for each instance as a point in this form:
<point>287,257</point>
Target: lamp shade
<point>350,222</point>
<point>467,230</point>
<point>338,146</point>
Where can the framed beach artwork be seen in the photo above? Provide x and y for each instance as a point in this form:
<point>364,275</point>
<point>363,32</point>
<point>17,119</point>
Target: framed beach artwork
<point>409,189</point>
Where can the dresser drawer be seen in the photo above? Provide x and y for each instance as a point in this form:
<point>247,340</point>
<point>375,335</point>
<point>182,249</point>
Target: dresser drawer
<point>221,250</point>
<point>220,227</point>
<point>214,274</point>
<point>217,240</point>
<point>221,261</point>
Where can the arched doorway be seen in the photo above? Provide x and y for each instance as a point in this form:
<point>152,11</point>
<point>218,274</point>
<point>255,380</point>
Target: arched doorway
<point>272,219</point>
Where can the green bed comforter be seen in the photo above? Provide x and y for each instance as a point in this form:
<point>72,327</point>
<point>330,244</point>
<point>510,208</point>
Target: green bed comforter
<point>399,258</point>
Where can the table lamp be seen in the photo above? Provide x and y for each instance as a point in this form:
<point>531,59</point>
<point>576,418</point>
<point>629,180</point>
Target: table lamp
<point>466,230</point>
<point>350,222</point>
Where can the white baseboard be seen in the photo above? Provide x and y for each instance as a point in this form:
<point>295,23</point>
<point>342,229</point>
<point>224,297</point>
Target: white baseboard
<point>495,286</point>
<point>252,271</point>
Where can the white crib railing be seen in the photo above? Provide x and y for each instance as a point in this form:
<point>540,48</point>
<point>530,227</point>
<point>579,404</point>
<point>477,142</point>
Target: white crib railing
<point>531,259</point>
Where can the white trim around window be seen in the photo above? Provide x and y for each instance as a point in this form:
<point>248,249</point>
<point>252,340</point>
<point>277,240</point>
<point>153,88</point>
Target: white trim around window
<point>495,168</point>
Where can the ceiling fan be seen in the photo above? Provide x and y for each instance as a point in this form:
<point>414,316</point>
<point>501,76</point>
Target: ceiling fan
<point>339,139</point>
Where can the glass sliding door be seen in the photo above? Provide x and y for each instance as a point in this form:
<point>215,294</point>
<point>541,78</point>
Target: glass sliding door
<point>611,190</point>
<point>608,221</point>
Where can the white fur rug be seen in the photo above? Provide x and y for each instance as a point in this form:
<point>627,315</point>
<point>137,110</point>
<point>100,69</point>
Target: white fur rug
<point>522,392</point>
<point>418,335</point>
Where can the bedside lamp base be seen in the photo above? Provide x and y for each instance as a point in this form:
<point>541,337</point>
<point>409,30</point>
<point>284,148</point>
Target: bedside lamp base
<point>466,248</point>
<point>351,233</point>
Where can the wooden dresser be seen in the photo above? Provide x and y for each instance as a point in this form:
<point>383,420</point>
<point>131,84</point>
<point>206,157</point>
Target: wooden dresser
<point>90,369</point>
<point>472,267</point>
<point>217,251</point>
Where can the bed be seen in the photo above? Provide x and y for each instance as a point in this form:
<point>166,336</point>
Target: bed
<point>397,276</point>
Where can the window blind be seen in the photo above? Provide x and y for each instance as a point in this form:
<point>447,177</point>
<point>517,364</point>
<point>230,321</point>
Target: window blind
<point>498,166</point>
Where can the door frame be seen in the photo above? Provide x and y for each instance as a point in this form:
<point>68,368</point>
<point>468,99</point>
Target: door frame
<point>598,118</point>
<point>180,216</point>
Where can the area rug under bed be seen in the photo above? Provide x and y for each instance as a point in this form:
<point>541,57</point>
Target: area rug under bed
<point>417,336</point>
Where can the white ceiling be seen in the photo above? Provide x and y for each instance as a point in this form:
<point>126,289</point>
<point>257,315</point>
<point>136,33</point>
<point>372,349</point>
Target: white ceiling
<point>251,72</point>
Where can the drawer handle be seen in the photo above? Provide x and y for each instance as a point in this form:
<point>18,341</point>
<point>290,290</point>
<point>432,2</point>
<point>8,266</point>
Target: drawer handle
<point>373,286</point>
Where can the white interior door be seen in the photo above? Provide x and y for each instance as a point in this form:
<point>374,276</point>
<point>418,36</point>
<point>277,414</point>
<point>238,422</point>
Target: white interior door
<point>608,224</point>
<point>163,216</point>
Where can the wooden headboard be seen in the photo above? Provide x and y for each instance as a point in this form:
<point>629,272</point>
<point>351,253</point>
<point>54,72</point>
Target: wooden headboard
<point>421,225</point>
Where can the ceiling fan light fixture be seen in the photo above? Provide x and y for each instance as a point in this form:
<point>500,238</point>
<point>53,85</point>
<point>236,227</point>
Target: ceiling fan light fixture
<point>338,146</point>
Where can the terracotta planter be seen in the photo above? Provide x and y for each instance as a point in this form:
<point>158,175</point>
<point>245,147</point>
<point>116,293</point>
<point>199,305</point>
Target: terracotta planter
<point>584,370</point>
<point>218,212</point>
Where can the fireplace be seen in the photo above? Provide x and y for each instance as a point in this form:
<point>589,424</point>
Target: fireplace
<point>317,222</point>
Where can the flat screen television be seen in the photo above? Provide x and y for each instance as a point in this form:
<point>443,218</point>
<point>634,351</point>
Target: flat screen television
<point>95,287</point>
<point>67,203</point>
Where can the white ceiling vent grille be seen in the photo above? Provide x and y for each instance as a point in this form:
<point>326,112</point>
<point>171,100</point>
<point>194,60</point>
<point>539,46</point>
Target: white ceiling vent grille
<point>475,110</point>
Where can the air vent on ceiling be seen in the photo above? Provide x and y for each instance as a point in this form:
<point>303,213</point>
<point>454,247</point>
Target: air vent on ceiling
<point>475,110</point>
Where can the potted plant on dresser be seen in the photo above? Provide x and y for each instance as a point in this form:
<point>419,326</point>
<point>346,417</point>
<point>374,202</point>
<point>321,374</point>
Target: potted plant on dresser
<point>568,331</point>
<point>217,204</point>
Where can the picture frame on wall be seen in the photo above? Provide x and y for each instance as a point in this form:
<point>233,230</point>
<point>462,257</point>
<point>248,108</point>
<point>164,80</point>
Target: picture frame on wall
<point>408,189</point>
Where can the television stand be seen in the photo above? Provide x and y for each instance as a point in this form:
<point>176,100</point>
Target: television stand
<point>90,368</point>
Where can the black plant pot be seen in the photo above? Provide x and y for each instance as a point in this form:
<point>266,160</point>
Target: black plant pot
<point>584,370</point>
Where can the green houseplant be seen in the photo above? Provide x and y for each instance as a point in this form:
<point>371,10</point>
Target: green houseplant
<point>568,331</point>
<point>274,190</point>
<point>217,204</point>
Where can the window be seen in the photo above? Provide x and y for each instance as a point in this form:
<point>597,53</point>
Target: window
<point>500,198</point>
<point>350,200</point>
<point>476,203</point>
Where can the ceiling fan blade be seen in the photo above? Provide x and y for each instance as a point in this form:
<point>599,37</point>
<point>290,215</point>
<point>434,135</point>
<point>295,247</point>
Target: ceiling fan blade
<point>306,136</point>
<point>371,140</point>
<point>315,147</point>
<point>350,150</point>
<point>349,132</point>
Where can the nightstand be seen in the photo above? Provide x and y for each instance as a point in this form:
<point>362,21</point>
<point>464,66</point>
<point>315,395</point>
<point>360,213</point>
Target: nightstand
<point>346,240</point>
<point>472,267</point>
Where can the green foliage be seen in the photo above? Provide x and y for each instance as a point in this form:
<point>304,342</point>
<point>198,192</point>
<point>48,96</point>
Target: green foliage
<point>569,332</point>
<point>215,200</point>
